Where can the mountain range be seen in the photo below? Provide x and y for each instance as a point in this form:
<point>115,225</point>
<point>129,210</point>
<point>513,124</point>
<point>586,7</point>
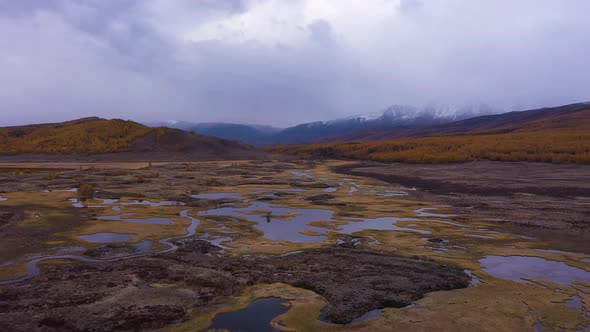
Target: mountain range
<point>397,117</point>
<point>573,116</point>
<point>557,135</point>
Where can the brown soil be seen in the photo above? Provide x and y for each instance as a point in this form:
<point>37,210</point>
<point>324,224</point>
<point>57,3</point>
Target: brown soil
<point>124,295</point>
<point>532,194</point>
<point>226,153</point>
<point>10,216</point>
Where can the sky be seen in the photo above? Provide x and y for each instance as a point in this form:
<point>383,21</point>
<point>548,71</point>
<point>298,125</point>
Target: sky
<point>283,62</point>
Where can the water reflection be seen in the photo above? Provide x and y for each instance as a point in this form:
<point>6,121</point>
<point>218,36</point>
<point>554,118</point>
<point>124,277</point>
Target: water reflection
<point>256,317</point>
<point>107,237</point>
<point>278,223</point>
<point>520,268</point>
<point>380,224</point>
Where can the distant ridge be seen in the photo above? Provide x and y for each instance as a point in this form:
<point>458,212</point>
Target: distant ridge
<point>568,116</point>
<point>95,138</point>
<point>396,117</point>
<point>556,134</point>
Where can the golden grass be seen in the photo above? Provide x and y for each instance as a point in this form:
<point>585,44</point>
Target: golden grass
<point>556,146</point>
<point>90,135</point>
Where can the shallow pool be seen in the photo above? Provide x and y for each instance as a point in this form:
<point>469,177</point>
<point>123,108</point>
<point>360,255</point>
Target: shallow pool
<point>107,237</point>
<point>255,318</point>
<point>519,268</point>
<point>275,228</point>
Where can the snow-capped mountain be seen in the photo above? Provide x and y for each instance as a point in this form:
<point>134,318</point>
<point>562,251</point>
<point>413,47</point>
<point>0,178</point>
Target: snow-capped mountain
<point>392,118</point>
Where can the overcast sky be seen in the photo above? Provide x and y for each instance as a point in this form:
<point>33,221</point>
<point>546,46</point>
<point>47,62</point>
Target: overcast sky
<point>285,62</point>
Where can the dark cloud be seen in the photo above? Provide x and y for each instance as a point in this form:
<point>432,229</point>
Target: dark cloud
<point>278,62</point>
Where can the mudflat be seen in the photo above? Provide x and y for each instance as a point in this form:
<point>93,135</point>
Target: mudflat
<point>553,196</point>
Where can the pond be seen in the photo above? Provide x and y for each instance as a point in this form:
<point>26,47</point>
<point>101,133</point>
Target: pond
<point>107,237</point>
<point>380,224</point>
<point>520,268</point>
<point>275,224</point>
<point>255,318</point>
<point>286,224</point>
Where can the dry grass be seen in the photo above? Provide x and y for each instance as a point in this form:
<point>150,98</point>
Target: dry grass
<point>557,146</point>
<point>89,135</point>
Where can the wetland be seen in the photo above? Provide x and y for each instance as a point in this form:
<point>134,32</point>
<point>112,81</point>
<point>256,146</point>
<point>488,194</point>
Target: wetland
<point>292,246</point>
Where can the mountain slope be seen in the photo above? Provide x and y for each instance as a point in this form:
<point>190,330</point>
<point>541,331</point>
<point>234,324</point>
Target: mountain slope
<point>568,116</point>
<point>397,117</point>
<point>116,138</point>
<point>251,134</point>
<point>558,135</point>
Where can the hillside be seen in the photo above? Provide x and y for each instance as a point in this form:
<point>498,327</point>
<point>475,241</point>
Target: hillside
<point>558,135</point>
<point>119,139</point>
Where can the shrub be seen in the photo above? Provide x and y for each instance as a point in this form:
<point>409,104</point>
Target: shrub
<point>52,176</point>
<point>86,191</point>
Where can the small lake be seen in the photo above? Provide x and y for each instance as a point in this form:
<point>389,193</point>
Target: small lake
<point>379,224</point>
<point>518,268</point>
<point>107,237</point>
<point>254,318</point>
<point>275,228</point>
<point>278,228</point>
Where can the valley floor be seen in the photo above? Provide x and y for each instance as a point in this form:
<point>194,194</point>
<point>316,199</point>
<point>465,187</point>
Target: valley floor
<point>184,247</point>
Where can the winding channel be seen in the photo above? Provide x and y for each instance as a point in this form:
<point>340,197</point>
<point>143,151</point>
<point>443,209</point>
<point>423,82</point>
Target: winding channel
<point>33,269</point>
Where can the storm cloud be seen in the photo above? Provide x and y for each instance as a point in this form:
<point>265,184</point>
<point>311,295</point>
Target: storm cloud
<point>285,62</point>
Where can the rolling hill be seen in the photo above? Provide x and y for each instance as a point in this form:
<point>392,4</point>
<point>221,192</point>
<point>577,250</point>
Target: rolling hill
<point>558,135</point>
<point>101,139</point>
